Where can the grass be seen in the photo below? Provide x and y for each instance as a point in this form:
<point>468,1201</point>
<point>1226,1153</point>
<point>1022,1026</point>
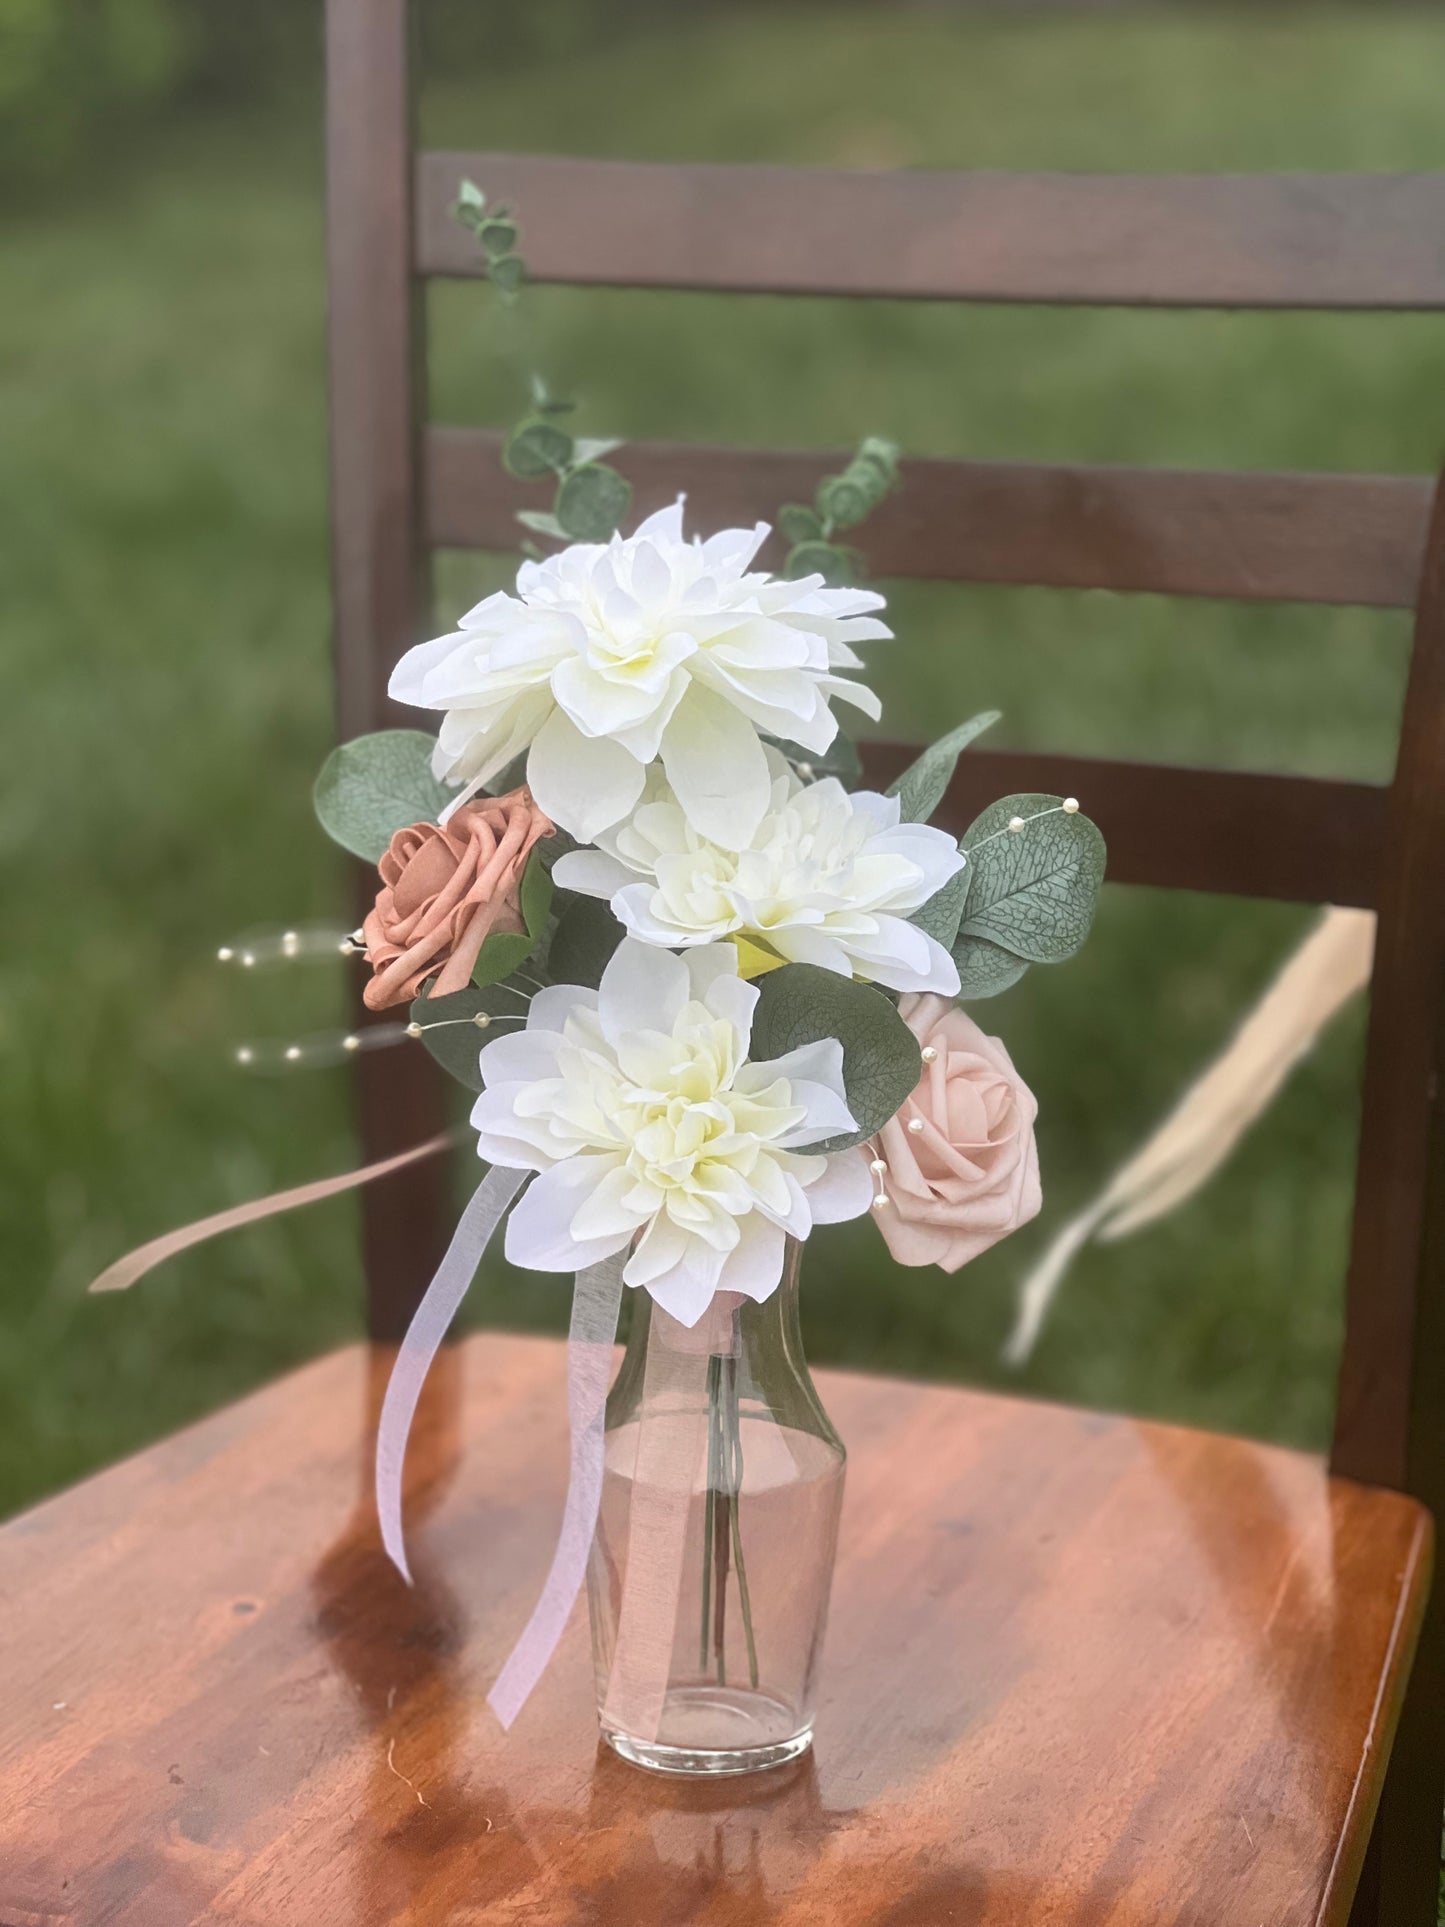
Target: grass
<point>165,656</point>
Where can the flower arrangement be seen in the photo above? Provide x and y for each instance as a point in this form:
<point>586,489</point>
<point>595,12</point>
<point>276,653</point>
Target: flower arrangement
<point>707,991</point>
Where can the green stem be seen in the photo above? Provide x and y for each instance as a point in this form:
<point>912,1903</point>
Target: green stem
<point>708,1505</point>
<point>736,1481</point>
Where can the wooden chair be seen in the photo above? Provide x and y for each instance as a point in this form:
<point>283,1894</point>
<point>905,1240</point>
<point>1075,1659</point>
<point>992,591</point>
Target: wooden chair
<point>1081,1669</point>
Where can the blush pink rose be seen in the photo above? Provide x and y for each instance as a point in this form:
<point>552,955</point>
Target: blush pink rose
<point>963,1169</point>
<point>444,891</point>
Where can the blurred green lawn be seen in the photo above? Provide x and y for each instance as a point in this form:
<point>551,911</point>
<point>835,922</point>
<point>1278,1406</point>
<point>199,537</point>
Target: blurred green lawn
<point>167,683</point>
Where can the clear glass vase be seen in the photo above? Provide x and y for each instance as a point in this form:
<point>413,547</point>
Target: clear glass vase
<point>710,1570</point>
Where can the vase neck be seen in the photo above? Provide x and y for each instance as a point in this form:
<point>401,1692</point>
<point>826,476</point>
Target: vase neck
<point>764,1339</point>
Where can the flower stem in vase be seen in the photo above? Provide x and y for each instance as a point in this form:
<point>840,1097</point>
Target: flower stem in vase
<point>736,1481</point>
<point>708,1507</point>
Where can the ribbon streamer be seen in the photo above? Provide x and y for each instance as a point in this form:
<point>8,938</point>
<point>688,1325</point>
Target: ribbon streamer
<point>135,1264</point>
<point>596,1302</point>
<point>423,1340</point>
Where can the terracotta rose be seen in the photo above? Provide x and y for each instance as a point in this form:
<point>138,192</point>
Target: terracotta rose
<point>443,893</point>
<point>963,1170</point>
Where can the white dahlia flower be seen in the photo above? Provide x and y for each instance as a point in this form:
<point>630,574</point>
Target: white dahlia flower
<point>611,656</point>
<point>826,878</point>
<point>650,1126</point>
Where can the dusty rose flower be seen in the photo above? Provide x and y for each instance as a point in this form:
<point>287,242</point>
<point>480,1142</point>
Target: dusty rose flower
<point>444,891</point>
<point>963,1169</point>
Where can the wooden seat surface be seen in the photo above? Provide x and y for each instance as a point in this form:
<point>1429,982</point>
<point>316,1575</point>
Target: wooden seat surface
<point>1080,1670</point>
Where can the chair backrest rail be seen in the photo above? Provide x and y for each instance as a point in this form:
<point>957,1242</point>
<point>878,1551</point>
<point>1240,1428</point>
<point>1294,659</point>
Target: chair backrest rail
<point>1370,241</point>
<point>1297,839</point>
<point>1349,539</point>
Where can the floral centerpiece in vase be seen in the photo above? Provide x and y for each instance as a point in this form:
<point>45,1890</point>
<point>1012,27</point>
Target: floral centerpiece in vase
<point>709,993</point>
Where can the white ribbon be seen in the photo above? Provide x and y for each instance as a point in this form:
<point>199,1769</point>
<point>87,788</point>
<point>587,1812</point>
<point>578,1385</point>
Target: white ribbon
<point>596,1302</point>
<point>423,1340</point>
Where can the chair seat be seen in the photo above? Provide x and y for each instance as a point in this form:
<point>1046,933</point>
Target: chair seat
<point>1079,1670</point>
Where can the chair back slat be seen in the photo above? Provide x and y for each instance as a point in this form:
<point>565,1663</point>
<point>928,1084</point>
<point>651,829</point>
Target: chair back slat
<point>1294,839</point>
<point>1281,538</point>
<point>1186,240</point>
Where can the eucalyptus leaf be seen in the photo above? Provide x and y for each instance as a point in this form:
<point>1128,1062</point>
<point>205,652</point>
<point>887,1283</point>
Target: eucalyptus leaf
<point>508,271</point>
<point>592,502</point>
<point>799,523</point>
<point>540,522</point>
<point>836,564</point>
<point>593,449</point>
<point>1034,890</point>
<point>497,236</point>
<point>843,501</point>
<point>507,950</point>
<point>943,912</point>
<point>801,1003</point>
<point>537,448</point>
<point>451,1034</point>
<point>470,200</point>
<point>920,789</point>
<point>984,969</point>
<point>839,759</point>
<point>881,455</point>
<point>374,786</point>
<point>587,935</point>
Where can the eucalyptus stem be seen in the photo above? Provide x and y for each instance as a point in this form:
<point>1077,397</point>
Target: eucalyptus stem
<point>736,1481</point>
<point>709,1499</point>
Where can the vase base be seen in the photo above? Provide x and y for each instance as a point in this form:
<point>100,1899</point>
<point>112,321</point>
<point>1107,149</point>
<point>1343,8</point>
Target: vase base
<point>712,1731</point>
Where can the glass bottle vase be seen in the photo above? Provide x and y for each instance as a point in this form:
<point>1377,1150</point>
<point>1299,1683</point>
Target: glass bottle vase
<point>710,1569</point>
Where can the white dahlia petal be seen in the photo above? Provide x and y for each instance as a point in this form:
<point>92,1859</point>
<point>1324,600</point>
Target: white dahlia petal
<point>539,1230</point>
<point>592,873</point>
<point>755,1264</point>
<point>585,784</point>
<point>715,765</point>
<point>642,989</point>
<point>843,1191</point>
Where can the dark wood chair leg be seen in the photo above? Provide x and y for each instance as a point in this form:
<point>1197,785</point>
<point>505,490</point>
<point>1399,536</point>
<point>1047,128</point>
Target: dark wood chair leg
<point>1400,1886</point>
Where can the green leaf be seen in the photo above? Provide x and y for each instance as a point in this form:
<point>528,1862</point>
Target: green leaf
<point>840,759</point>
<point>498,237</point>
<point>506,950</point>
<point>921,787</point>
<point>799,523</point>
<point>801,1003</point>
<point>507,271</point>
<point>537,448</point>
<point>550,848</point>
<point>470,201</point>
<point>881,455</point>
<point>836,564</point>
<point>1033,890</point>
<point>374,786</point>
<point>943,912</point>
<point>843,502</point>
<point>593,449</point>
<point>587,935</point>
<point>450,1033</point>
<point>983,968</point>
<point>541,523</point>
<point>592,502</point>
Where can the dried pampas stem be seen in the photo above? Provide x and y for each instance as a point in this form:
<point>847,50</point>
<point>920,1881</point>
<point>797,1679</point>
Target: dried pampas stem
<point>1330,966</point>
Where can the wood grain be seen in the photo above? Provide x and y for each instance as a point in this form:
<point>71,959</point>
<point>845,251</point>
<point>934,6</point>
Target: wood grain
<point>1252,537</point>
<point>1080,1671</point>
<point>1181,240</point>
<point>379,567</point>
<point>1390,1421</point>
<point>1295,839</point>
